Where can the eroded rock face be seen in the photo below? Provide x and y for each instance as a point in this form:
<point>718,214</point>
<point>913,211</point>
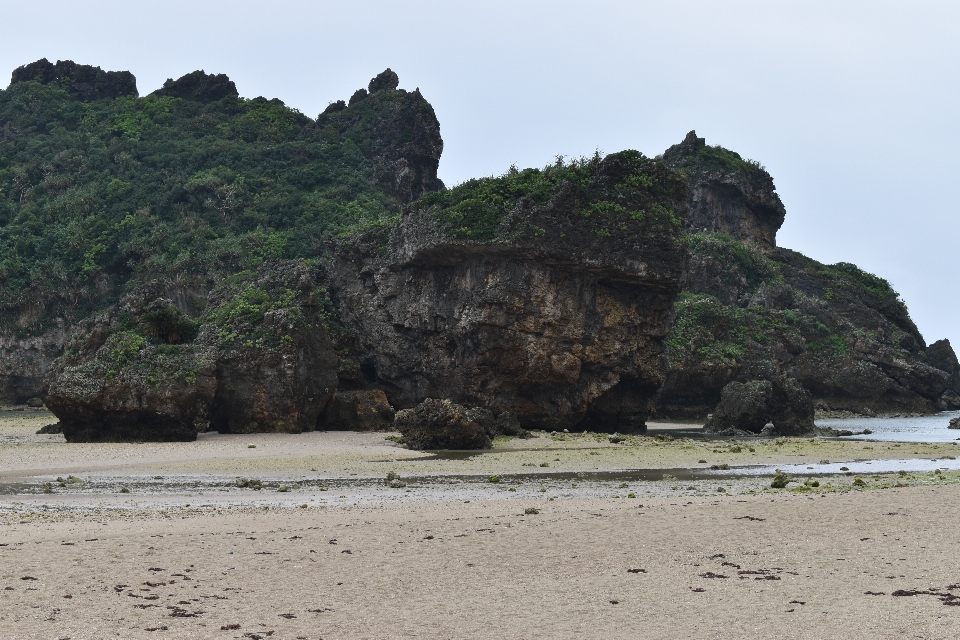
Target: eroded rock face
<point>84,82</point>
<point>25,363</point>
<point>750,310</point>
<point>552,321</point>
<point>115,384</point>
<point>750,406</point>
<point>441,424</point>
<point>359,410</point>
<point>399,132</point>
<point>385,80</point>
<point>259,360</point>
<point>728,194</point>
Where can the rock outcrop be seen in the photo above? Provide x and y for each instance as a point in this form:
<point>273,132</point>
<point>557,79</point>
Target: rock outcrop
<point>86,83</point>
<point>940,355</point>
<point>260,361</point>
<point>749,406</point>
<point>441,424</point>
<point>358,410</point>
<point>276,368</point>
<point>727,193</point>
<point>397,130</point>
<point>199,86</point>
<point>25,362</point>
<point>750,310</point>
<point>557,315</point>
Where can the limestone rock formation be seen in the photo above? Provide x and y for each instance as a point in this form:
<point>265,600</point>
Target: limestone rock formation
<point>26,361</point>
<point>559,318</point>
<point>84,82</point>
<point>115,386</point>
<point>279,372</point>
<point>441,424</point>
<point>199,86</point>
<point>358,410</point>
<point>384,80</point>
<point>401,135</point>
<point>750,310</point>
<point>750,406</point>
<point>260,361</point>
<point>727,193</point>
<point>940,355</point>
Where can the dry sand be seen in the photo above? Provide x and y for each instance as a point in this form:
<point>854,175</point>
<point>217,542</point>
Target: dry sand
<point>424,562</point>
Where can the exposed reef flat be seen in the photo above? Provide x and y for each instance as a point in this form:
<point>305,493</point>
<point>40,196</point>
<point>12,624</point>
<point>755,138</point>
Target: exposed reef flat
<point>640,568</point>
<point>207,533</point>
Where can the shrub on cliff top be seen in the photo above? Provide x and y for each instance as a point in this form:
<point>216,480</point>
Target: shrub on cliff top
<point>638,191</point>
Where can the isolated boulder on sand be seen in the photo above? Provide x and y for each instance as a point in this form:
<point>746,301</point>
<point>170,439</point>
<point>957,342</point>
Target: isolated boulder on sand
<point>954,423</point>
<point>441,424</point>
<point>749,406</point>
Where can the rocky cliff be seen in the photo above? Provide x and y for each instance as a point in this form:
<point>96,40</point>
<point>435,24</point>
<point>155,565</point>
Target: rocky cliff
<point>103,193</point>
<point>195,260</point>
<point>752,311</point>
<point>728,194</point>
<point>544,294</point>
<point>260,359</point>
<point>397,131</point>
<point>84,82</point>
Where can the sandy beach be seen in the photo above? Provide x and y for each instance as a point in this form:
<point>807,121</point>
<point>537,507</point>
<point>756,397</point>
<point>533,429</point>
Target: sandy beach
<point>326,548</point>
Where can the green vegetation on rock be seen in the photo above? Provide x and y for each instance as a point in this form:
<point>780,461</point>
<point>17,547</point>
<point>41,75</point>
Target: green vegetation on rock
<point>98,196</point>
<point>638,195</point>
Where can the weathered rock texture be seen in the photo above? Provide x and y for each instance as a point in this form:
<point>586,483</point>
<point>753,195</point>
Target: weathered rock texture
<point>114,383</point>
<point>727,193</point>
<point>752,311</point>
<point>359,410</point>
<point>199,86</point>
<point>400,134</point>
<point>25,363</point>
<point>270,372</point>
<point>441,424</point>
<point>750,406</point>
<point>276,369</point>
<point>260,361</point>
<point>84,82</point>
<point>559,317</point>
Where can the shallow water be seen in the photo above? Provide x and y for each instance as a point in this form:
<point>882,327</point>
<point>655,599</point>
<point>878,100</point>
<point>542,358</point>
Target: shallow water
<point>916,429</point>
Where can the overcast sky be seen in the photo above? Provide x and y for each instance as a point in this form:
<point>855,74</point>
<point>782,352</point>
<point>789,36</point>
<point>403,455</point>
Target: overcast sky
<point>852,106</point>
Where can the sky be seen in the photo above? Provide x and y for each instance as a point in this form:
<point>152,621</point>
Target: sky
<point>852,106</point>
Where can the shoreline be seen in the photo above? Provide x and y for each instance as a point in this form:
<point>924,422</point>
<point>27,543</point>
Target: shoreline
<point>570,540</point>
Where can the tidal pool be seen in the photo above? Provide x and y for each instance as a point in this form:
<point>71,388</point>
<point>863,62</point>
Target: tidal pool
<point>913,429</point>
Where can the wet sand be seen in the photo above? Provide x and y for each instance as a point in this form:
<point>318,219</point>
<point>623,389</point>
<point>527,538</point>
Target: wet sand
<point>453,555</point>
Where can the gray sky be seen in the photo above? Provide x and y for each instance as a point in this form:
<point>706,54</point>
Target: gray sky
<point>852,106</point>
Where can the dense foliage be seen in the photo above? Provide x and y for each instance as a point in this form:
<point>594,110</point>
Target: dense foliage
<point>640,191</point>
<point>97,195</point>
